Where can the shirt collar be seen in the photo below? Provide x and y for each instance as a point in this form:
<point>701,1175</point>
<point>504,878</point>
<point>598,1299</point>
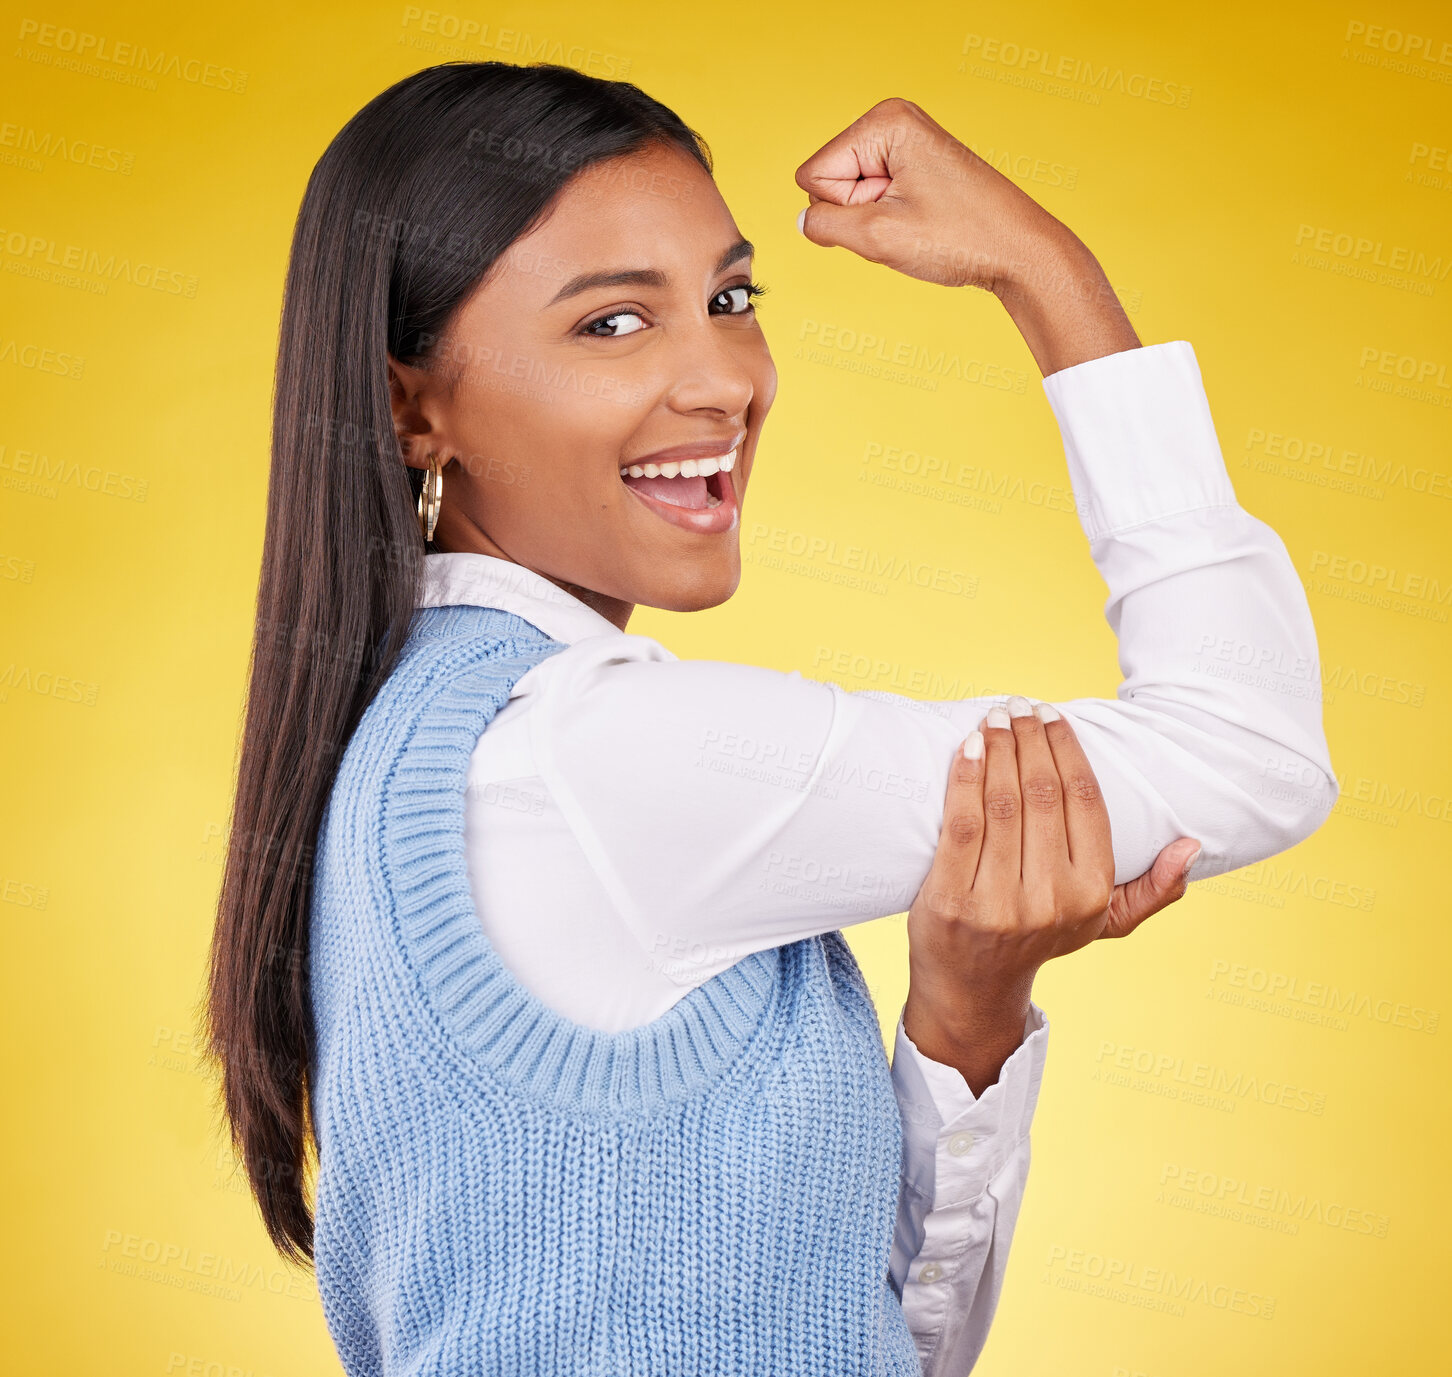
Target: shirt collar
<point>475,580</point>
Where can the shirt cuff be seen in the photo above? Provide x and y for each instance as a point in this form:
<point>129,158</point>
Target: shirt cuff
<point>1138,437</point>
<point>953,1141</point>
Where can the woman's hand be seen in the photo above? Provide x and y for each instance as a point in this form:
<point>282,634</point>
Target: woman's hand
<point>1024,872</point>
<point>896,188</point>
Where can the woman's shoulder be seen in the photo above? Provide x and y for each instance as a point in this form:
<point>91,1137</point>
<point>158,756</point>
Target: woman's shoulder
<point>600,652</point>
<point>452,666</point>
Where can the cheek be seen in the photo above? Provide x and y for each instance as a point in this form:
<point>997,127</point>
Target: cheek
<point>563,441</point>
<point>588,435</point>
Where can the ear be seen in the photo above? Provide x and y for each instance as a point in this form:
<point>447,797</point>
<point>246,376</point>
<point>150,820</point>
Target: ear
<point>414,396</point>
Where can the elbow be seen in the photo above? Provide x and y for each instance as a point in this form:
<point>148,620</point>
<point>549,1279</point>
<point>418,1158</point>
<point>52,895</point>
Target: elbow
<point>1294,798</point>
<point>1315,805</point>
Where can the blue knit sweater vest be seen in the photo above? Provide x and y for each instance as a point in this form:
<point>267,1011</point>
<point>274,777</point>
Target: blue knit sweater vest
<point>503,1191</point>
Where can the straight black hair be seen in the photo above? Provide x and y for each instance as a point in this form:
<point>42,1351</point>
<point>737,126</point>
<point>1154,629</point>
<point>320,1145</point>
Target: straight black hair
<point>405,214</point>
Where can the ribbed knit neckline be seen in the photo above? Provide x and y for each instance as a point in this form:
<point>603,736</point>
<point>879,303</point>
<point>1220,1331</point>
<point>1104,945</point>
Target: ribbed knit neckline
<point>494,1018</point>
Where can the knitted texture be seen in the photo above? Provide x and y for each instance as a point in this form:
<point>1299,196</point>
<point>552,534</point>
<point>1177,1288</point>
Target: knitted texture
<point>504,1191</point>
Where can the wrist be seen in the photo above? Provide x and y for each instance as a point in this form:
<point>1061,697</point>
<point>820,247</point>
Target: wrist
<point>1062,302</point>
<point>972,1030</point>
<point>1050,254</point>
<point>960,1011</point>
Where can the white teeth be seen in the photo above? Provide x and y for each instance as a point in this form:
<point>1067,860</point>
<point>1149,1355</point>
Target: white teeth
<point>712,501</point>
<point>686,468</point>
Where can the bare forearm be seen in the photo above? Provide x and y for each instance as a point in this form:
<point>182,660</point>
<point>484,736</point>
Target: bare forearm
<point>1061,301</point>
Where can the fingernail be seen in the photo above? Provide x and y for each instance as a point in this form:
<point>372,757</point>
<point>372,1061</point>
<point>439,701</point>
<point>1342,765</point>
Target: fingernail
<point>1193,857</point>
<point>801,221</point>
<point>997,717</point>
<point>973,746</point>
<point>1020,707</point>
<point>1047,712</point>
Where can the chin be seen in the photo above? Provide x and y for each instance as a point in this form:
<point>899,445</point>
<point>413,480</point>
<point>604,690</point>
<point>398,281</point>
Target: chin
<point>696,590</point>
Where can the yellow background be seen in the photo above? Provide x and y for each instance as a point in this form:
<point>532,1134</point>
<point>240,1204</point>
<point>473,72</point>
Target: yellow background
<point>127,582</point>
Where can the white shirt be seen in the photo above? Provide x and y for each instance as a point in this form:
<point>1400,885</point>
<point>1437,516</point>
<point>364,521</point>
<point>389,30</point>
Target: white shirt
<point>636,823</point>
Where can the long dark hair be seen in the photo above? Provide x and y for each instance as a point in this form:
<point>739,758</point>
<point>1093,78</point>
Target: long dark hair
<point>405,213</point>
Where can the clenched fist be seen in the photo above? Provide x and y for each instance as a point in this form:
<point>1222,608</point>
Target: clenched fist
<point>897,188</point>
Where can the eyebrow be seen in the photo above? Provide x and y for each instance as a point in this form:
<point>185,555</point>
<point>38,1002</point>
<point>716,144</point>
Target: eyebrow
<point>644,277</point>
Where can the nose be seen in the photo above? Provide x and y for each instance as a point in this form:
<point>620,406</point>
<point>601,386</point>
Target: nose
<point>713,368</point>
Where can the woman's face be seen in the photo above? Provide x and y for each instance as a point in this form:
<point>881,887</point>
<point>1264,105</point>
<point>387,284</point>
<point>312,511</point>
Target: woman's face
<point>619,328</point>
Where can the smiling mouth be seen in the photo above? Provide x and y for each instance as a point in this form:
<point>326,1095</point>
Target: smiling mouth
<point>694,484</point>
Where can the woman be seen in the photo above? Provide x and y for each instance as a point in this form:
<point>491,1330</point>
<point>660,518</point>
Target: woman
<point>595,1082</point>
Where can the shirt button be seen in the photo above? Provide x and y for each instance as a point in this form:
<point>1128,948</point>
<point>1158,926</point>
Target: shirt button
<point>960,1143</point>
<point>930,1273</point>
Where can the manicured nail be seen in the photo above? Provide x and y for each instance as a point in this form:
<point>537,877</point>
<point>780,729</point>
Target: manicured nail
<point>997,717</point>
<point>1047,712</point>
<point>973,746</point>
<point>1020,707</point>
<point>1194,855</point>
<point>801,221</point>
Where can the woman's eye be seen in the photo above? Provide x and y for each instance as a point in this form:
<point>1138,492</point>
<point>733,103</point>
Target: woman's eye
<point>613,316</point>
<point>738,302</point>
<point>739,297</point>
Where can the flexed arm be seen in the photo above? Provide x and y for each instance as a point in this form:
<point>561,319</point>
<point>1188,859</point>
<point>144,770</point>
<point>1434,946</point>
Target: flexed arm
<point>1179,556</point>
<point>1216,640</point>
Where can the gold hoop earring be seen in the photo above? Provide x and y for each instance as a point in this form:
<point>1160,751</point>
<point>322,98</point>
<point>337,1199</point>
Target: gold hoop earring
<point>431,498</point>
